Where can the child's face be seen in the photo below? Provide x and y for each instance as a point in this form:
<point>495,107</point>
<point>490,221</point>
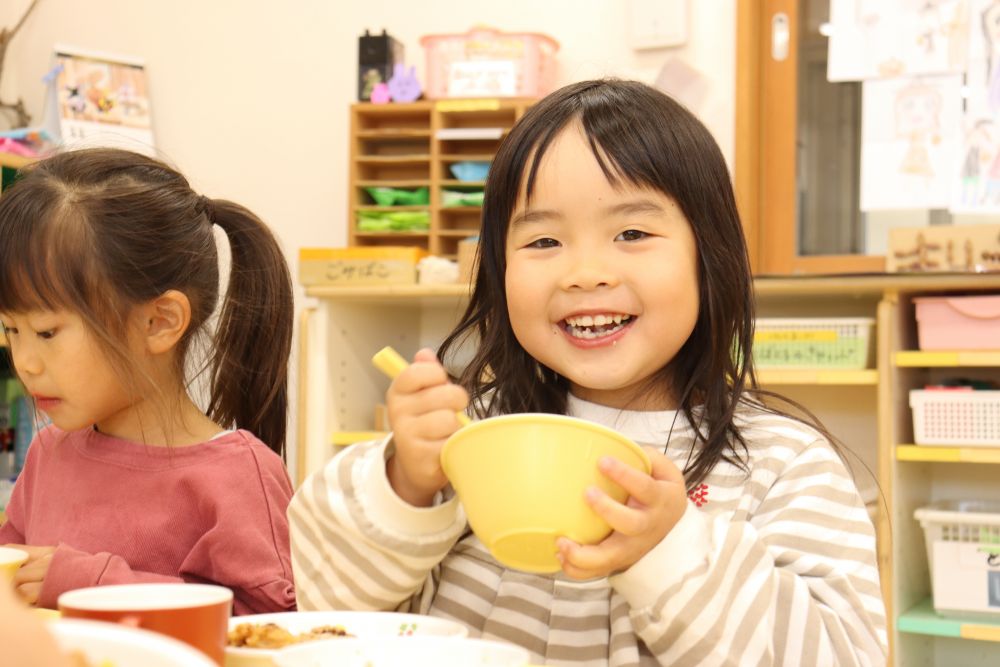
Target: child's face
<point>65,370</point>
<point>602,285</point>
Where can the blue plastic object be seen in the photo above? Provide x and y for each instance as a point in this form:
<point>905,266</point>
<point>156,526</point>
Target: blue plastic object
<point>470,170</point>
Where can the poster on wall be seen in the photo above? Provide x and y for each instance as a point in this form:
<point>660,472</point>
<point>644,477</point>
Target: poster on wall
<point>976,184</point>
<point>910,139</point>
<point>872,39</point>
<point>103,101</point>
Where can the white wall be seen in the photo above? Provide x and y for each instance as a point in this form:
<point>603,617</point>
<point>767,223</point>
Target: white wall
<point>250,98</point>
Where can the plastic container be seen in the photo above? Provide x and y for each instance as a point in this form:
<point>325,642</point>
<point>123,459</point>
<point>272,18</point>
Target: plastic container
<point>470,170</point>
<point>488,63</point>
<point>399,196</point>
<point>802,343</point>
<point>966,418</point>
<point>467,250</point>
<point>393,221</point>
<point>958,322</point>
<point>963,554</point>
<point>451,198</point>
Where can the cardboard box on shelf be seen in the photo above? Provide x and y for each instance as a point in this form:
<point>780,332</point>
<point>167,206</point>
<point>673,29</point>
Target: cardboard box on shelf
<point>467,251</point>
<point>385,265</point>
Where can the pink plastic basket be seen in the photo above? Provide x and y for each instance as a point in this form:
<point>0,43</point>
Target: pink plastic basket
<point>958,322</point>
<point>488,63</point>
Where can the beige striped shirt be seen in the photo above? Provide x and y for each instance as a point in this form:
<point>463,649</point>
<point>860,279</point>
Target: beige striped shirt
<point>774,567</point>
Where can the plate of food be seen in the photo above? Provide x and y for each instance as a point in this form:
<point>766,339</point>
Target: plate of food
<point>254,640</point>
<point>411,651</point>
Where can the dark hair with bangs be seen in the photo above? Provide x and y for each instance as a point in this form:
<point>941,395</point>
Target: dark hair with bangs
<point>642,138</point>
<point>100,231</point>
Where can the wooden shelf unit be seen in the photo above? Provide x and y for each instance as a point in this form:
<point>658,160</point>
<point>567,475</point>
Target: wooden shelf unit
<point>397,145</point>
<point>867,410</point>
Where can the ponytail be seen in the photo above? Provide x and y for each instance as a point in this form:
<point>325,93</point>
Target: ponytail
<point>249,367</point>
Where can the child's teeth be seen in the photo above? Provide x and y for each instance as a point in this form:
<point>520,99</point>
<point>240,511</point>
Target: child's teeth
<point>597,320</point>
<point>596,326</point>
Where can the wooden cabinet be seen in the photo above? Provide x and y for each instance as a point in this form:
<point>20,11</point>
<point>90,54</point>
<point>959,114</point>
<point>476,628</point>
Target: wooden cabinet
<point>415,145</point>
<point>867,410</point>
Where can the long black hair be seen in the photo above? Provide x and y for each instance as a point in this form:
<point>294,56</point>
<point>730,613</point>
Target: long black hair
<point>642,138</point>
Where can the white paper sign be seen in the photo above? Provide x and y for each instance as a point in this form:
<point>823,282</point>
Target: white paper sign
<point>482,78</point>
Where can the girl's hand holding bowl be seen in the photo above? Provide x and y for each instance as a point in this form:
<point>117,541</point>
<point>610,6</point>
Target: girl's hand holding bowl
<point>655,504</point>
<point>28,579</point>
<point>541,491</point>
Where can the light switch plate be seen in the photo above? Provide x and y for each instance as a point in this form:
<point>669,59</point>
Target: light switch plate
<point>655,24</point>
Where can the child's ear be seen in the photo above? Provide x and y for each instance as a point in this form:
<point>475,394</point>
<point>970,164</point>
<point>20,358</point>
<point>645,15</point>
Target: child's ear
<point>165,319</point>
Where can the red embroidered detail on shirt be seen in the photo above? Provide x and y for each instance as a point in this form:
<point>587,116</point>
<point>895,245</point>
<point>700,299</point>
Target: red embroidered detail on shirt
<point>699,494</point>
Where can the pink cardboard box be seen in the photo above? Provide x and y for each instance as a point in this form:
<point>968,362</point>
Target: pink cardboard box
<point>958,322</point>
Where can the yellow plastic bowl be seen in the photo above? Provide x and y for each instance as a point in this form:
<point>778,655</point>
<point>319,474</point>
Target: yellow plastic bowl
<point>522,480</point>
<point>10,561</point>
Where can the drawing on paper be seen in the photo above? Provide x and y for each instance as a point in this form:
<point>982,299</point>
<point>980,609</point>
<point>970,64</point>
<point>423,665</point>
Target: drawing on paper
<point>977,171</point>
<point>911,136</point>
<point>885,38</point>
<point>918,123</point>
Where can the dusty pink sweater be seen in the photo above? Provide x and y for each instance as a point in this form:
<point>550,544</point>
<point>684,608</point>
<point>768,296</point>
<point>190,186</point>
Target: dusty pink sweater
<point>121,512</point>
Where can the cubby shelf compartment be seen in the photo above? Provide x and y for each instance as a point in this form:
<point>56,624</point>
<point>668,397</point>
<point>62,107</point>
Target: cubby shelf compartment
<point>391,183</point>
<point>393,159</point>
<point>391,134</point>
<point>923,620</point>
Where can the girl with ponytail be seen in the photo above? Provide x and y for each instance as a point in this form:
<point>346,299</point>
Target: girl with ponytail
<point>109,294</point>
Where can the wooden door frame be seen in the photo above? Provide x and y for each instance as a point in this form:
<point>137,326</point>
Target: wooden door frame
<point>765,177</point>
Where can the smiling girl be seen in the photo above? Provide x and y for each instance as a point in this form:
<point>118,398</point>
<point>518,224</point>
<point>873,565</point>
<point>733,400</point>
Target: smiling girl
<point>614,286</point>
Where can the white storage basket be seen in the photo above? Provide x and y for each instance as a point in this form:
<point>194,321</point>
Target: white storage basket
<point>949,417</point>
<point>813,342</point>
<point>963,554</point>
